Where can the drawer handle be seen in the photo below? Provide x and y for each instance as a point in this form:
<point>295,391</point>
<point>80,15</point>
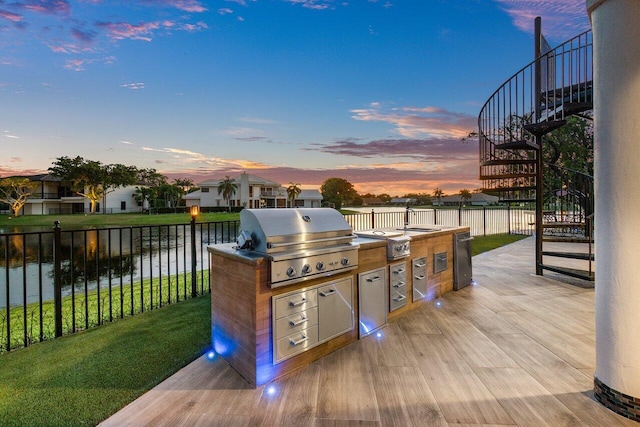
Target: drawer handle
<point>399,298</point>
<point>421,265</point>
<point>373,279</point>
<point>328,293</point>
<point>298,322</point>
<point>297,303</point>
<point>399,285</point>
<point>419,277</point>
<point>298,342</point>
<point>399,271</point>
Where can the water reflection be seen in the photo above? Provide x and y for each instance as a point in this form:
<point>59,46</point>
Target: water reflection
<point>106,257</point>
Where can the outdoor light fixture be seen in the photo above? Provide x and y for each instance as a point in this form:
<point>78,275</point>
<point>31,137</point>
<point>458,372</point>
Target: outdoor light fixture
<point>194,211</point>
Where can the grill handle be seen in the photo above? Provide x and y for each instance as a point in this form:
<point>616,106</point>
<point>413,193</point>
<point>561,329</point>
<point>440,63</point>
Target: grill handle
<point>271,245</point>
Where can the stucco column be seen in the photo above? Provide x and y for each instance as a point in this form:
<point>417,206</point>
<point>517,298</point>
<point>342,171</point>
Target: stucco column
<point>616,56</point>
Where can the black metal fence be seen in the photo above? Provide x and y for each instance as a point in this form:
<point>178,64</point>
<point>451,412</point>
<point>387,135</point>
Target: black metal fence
<point>482,221</point>
<point>60,281</point>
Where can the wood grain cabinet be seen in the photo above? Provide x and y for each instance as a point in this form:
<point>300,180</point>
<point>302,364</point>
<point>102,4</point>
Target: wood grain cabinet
<point>304,318</point>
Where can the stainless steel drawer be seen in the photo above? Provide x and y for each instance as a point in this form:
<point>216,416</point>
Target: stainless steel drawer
<point>440,262</point>
<point>296,343</point>
<point>296,322</point>
<point>398,272</point>
<point>397,300</point>
<point>295,302</point>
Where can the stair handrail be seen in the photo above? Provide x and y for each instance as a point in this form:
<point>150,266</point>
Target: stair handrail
<point>554,95</point>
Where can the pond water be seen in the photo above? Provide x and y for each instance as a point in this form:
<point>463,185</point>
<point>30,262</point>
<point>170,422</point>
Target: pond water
<point>99,257</point>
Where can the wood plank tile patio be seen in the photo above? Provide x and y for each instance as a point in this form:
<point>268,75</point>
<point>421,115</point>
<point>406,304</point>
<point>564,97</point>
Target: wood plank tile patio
<point>516,349</point>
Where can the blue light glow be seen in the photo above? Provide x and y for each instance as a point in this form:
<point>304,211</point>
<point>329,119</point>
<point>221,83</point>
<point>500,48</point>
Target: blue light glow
<point>271,390</point>
<point>210,355</point>
<point>379,335</point>
<point>438,303</point>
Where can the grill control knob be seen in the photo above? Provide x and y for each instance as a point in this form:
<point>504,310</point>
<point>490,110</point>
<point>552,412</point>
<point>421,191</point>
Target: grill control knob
<point>320,266</point>
<point>291,271</point>
<point>345,261</point>
<point>306,269</point>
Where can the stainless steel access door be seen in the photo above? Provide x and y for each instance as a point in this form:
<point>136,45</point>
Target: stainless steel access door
<point>372,300</point>
<point>462,270</point>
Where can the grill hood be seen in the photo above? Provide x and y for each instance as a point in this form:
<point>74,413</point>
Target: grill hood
<point>284,230</point>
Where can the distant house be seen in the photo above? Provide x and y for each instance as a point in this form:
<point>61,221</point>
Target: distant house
<point>308,199</point>
<point>372,201</point>
<point>477,199</point>
<point>402,201</point>
<point>52,196</point>
<point>252,192</point>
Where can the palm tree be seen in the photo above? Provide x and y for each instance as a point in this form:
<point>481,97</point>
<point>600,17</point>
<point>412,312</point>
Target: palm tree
<point>293,191</point>
<point>437,193</point>
<point>227,187</point>
<point>465,195</point>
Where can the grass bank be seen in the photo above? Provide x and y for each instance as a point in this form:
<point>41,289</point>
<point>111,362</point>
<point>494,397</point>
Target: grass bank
<point>110,220</point>
<point>85,310</point>
<point>82,379</point>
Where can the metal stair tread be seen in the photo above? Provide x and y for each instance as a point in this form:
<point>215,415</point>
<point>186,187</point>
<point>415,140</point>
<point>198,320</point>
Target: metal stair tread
<point>571,255</point>
<point>573,272</point>
<point>517,145</point>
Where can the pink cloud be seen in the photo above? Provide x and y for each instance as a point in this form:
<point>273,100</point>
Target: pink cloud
<point>124,30</point>
<point>412,122</point>
<point>561,19</point>
<point>416,149</point>
<point>9,16</point>
<point>184,5</point>
<point>45,6</point>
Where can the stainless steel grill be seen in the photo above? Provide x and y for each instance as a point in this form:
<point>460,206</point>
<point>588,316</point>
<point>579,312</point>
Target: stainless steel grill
<point>301,243</point>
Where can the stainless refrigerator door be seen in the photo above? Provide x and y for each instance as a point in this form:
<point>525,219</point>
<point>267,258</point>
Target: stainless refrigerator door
<point>462,270</point>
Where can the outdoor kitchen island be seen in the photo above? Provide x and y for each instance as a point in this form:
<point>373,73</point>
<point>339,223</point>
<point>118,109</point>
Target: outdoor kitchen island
<point>268,320</point>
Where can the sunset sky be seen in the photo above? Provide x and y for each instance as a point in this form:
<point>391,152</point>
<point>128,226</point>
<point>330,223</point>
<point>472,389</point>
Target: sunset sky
<point>378,92</point>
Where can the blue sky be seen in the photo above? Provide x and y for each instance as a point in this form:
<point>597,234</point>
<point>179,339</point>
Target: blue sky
<point>379,92</point>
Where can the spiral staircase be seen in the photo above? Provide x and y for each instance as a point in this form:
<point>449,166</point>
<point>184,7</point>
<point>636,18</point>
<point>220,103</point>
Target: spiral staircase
<point>512,126</point>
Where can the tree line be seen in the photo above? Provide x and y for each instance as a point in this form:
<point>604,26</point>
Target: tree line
<point>93,180</point>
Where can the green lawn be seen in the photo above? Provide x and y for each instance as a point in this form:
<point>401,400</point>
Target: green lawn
<point>481,244</point>
<point>110,220</point>
<point>81,379</point>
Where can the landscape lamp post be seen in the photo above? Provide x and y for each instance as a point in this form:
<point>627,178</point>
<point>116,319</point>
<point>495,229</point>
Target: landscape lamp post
<point>194,211</point>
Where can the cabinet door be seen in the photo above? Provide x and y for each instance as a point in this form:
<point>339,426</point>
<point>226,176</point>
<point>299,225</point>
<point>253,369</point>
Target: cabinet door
<point>372,300</point>
<point>335,308</point>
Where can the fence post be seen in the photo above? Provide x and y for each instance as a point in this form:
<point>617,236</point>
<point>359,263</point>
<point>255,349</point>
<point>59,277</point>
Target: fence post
<point>460,216</point>
<point>57,279</point>
<point>484,219</point>
<point>508,218</point>
<point>435,216</point>
<point>373,219</point>
<point>194,287</point>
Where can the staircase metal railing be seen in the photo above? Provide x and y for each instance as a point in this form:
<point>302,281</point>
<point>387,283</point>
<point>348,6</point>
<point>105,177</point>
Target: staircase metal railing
<point>536,100</point>
<point>507,122</point>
